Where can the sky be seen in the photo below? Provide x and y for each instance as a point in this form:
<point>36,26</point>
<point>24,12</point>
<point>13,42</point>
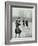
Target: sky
<point>22,12</point>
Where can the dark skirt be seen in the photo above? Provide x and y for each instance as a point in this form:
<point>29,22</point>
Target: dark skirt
<point>17,31</point>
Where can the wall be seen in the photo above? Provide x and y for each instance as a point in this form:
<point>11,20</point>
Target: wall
<point>2,23</point>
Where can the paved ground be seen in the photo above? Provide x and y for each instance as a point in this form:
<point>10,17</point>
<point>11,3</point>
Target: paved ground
<point>26,32</point>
